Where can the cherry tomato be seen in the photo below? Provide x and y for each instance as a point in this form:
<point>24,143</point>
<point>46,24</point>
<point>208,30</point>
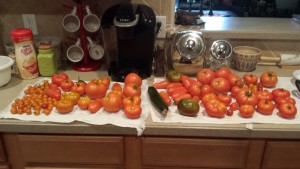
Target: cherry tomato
<point>94,89</point>
<point>246,111</point>
<point>265,107</point>
<point>133,78</point>
<point>280,92</point>
<point>66,85</point>
<point>250,79</point>
<point>215,108</point>
<point>83,103</point>
<point>112,102</point>
<point>268,79</point>
<point>287,110</point>
<point>58,78</point>
<point>64,106</point>
<point>229,112</point>
<point>133,111</point>
<point>131,89</point>
<point>205,75</point>
<point>95,105</point>
<point>224,98</point>
<point>220,85</point>
<point>223,72</point>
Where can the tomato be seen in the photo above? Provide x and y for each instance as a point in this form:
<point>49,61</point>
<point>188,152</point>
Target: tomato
<point>287,110</point>
<point>265,95</point>
<point>220,85</point>
<point>223,72</point>
<point>205,75</point>
<point>215,108</point>
<point>53,91</point>
<point>235,80</point>
<point>105,81</point>
<point>265,107</point>
<point>188,107</point>
<point>195,89</point>
<point>234,106</point>
<point>66,85</point>
<point>64,106</point>
<point>95,89</point>
<point>268,79</point>
<point>246,111</point>
<point>246,96</point>
<point>229,112</point>
<point>133,78</point>
<point>280,92</point>
<point>173,76</point>
<point>281,100</point>
<point>83,103</point>
<point>129,101</point>
<point>131,89</point>
<point>116,86</point>
<point>207,97</point>
<point>133,111</point>
<point>112,102</point>
<point>250,79</point>
<point>78,87</point>
<point>234,90</point>
<point>95,105</point>
<point>224,98</point>
<point>58,78</point>
<point>73,96</point>
<point>205,89</point>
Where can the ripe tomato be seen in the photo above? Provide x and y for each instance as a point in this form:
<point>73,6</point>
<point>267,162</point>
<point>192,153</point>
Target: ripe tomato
<point>234,90</point>
<point>235,80</point>
<point>246,96</point>
<point>53,91</point>
<point>78,87</point>
<point>112,102</point>
<point>265,107</point>
<point>133,111</point>
<point>265,95</point>
<point>64,106</point>
<point>105,81</point>
<point>280,92</point>
<point>223,72</point>
<point>224,98</point>
<point>73,96</point>
<point>246,111</point>
<point>268,79</point>
<point>188,107</point>
<point>207,97</point>
<point>195,89</point>
<point>129,101</point>
<point>205,89</point>
<point>250,79</point>
<point>281,100</point>
<point>66,85</point>
<point>215,108</point>
<point>58,78</point>
<point>95,105</point>
<point>94,89</point>
<point>133,78</point>
<point>205,76</point>
<point>131,89</point>
<point>83,103</point>
<point>116,86</point>
<point>287,110</point>
<point>234,106</point>
<point>220,85</point>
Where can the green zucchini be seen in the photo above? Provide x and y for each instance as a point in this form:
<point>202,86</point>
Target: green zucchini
<point>157,101</point>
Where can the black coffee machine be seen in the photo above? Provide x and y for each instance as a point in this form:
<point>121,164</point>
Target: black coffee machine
<point>129,32</point>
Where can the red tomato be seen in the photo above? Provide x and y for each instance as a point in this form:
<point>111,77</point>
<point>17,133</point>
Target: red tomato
<point>94,89</point>
<point>195,89</point>
<point>66,85</point>
<point>246,96</point>
<point>287,110</point>
<point>112,102</point>
<point>265,107</point>
<point>116,86</point>
<point>129,101</point>
<point>131,89</point>
<point>95,105</point>
<point>133,78</point>
<point>268,79</point>
<point>280,92</point>
<point>205,89</point>
<point>229,112</point>
<point>215,108</point>
<point>250,79</point>
<point>105,81</point>
<point>207,97</point>
<point>78,87</point>
<point>235,90</point>
<point>220,85</point>
<point>246,111</point>
<point>235,80</point>
<point>205,76</point>
<point>53,91</point>
<point>265,95</point>
<point>83,103</point>
<point>224,98</point>
<point>133,111</point>
<point>223,72</point>
<point>58,78</point>
<point>281,100</point>
<point>234,106</point>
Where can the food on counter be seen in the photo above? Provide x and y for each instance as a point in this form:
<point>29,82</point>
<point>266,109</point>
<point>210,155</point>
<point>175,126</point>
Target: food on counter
<point>235,80</point>
<point>205,75</point>
<point>287,110</point>
<point>133,78</point>
<point>133,111</point>
<point>173,76</point>
<point>268,79</point>
<point>220,85</point>
<point>95,89</point>
<point>58,78</point>
<point>133,100</point>
<point>78,87</point>
<point>131,89</point>
<point>53,91</point>
<point>188,107</point>
<point>265,107</point>
<point>215,108</point>
<point>66,85</point>
<point>94,105</point>
<point>223,72</point>
<point>246,110</point>
<point>64,106</point>
<point>225,98</point>
<point>250,79</point>
<point>246,96</point>
<point>112,102</point>
<point>280,92</point>
<point>161,85</point>
<point>83,102</point>
<point>165,96</point>
<point>73,96</point>
<point>157,101</point>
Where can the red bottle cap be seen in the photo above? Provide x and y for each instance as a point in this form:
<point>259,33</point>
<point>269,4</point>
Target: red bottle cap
<point>19,35</point>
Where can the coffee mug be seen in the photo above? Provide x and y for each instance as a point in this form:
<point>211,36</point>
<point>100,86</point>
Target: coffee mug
<point>91,22</point>
<point>75,52</point>
<point>96,51</point>
<point>71,22</point>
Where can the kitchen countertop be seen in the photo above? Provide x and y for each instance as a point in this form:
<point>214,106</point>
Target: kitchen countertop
<point>12,89</point>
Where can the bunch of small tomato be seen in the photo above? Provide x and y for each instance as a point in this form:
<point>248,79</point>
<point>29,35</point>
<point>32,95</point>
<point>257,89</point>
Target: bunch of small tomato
<point>222,92</point>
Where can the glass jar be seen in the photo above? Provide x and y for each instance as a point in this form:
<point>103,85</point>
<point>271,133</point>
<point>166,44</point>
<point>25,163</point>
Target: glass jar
<point>46,60</point>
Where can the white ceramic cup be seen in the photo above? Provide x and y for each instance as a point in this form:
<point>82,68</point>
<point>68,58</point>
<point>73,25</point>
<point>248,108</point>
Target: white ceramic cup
<point>96,51</point>
<point>91,22</point>
<point>75,52</point>
<point>71,22</point>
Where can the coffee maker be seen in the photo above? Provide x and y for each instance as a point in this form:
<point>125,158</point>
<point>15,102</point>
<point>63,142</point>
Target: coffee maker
<point>129,32</point>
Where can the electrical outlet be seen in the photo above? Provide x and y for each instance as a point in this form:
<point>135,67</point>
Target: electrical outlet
<point>30,23</point>
<point>162,31</point>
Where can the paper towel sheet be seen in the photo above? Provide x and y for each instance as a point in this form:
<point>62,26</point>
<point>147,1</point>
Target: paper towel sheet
<point>99,118</point>
<point>202,118</point>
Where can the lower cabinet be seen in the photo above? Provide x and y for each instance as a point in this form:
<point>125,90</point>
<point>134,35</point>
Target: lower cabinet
<point>3,159</point>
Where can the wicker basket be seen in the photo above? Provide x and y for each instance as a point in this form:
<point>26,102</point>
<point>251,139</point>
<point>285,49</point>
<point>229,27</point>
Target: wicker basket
<point>245,58</point>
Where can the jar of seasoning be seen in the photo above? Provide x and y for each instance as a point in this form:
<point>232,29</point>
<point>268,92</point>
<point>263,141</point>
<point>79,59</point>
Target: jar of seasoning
<point>25,53</point>
<point>220,53</point>
<point>46,60</point>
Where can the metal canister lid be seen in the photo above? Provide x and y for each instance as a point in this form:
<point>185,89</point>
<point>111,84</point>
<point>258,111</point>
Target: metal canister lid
<point>190,45</point>
<point>221,49</point>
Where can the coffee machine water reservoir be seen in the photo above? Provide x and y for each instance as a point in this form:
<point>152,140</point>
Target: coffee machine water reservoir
<point>128,32</point>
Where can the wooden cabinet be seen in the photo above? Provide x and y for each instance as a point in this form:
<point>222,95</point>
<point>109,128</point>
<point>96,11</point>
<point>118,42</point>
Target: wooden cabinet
<point>3,159</point>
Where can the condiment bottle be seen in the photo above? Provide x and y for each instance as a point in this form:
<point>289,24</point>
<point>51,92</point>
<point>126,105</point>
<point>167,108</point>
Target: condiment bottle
<point>25,53</point>
<point>46,60</point>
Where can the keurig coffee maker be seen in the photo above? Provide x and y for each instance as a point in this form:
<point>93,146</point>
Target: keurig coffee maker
<point>128,32</point>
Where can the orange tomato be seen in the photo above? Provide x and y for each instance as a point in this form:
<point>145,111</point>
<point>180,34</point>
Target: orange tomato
<point>95,105</point>
<point>132,89</point>
<point>268,79</point>
<point>105,81</point>
<point>66,85</point>
<point>95,89</point>
<point>116,86</point>
<point>133,111</point>
<point>78,87</point>
<point>133,78</point>
<point>246,110</point>
<point>83,103</point>
<point>64,106</point>
<point>112,102</point>
<point>129,101</point>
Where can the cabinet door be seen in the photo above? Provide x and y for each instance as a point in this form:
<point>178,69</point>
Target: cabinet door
<point>210,153</point>
<point>72,149</point>
<point>68,167</point>
<point>282,154</point>
<point>2,153</point>
<point>4,166</point>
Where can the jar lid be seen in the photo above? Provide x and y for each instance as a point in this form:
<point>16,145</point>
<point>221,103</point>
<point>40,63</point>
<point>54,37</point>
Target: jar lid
<point>21,34</point>
<point>45,47</point>
<point>190,45</point>
<point>221,49</point>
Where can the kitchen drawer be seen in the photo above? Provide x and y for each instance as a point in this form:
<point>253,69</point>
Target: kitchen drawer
<point>4,166</point>
<point>198,153</point>
<point>282,154</point>
<point>72,149</point>
<point>2,152</point>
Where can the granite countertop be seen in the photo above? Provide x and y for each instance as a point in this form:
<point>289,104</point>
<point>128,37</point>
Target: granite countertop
<point>12,89</point>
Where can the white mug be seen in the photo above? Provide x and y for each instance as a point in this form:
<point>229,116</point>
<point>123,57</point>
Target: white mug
<point>71,22</point>
<point>96,51</point>
<point>75,52</point>
<point>91,22</point>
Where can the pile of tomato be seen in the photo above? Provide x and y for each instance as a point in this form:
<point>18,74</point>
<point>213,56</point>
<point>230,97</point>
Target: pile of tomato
<point>63,94</point>
<point>222,92</point>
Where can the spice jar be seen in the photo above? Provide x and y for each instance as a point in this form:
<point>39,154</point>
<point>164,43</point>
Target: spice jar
<point>46,60</point>
<point>220,53</point>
